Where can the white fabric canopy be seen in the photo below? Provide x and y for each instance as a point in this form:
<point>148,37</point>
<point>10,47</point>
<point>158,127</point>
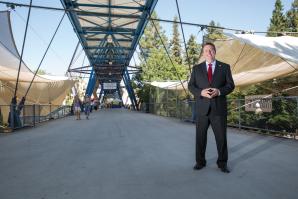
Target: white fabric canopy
<point>45,88</point>
<point>255,58</point>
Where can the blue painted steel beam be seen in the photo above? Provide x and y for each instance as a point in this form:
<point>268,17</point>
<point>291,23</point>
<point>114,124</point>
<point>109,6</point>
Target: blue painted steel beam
<point>75,23</point>
<point>91,83</point>
<point>129,89</point>
<point>105,51</point>
<point>120,50</point>
<point>150,5</point>
<point>91,22</point>
<point>102,43</point>
<point>128,23</point>
<point>111,56</point>
<point>106,32</point>
<point>114,59</point>
<point>139,8</point>
<point>119,40</point>
<point>108,47</point>
<point>109,80</point>
<point>101,93</point>
<point>107,29</point>
<point>98,14</point>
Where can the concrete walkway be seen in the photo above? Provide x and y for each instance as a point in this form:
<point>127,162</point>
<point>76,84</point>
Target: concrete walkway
<point>119,154</point>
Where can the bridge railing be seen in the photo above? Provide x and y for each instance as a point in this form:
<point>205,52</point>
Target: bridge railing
<point>279,117</point>
<point>30,115</point>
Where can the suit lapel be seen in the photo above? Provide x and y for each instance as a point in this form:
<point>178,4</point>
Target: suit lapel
<point>204,71</point>
<point>216,71</point>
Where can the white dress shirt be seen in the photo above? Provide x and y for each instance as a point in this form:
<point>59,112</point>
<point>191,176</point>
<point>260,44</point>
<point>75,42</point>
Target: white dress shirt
<point>213,68</point>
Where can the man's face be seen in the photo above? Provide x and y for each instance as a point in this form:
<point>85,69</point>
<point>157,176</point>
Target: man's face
<point>209,53</point>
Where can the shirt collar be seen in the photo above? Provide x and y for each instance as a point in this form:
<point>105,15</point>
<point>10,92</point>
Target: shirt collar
<point>213,63</point>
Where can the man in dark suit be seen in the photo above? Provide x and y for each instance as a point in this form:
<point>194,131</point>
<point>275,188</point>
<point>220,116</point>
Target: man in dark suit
<point>210,82</point>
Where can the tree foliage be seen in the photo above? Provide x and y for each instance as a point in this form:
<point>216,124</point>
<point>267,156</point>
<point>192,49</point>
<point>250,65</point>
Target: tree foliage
<point>155,63</point>
<point>292,18</point>
<point>175,46</point>
<point>213,32</point>
<point>278,22</point>
<point>193,50</point>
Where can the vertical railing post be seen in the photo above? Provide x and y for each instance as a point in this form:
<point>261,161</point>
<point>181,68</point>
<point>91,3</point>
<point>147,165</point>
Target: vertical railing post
<point>12,115</point>
<point>239,113</point>
<point>296,133</point>
<point>39,113</point>
<point>50,111</point>
<point>180,104</point>
<point>167,96</point>
<point>33,114</point>
<point>176,102</point>
<point>24,113</point>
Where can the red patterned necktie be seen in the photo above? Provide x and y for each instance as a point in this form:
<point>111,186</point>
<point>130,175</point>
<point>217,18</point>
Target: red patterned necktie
<point>209,73</point>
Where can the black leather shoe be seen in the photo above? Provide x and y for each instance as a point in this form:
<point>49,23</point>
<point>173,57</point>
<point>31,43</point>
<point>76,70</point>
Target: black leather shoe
<point>199,166</point>
<point>224,169</point>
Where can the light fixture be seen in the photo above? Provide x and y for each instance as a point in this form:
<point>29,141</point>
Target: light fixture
<point>110,63</point>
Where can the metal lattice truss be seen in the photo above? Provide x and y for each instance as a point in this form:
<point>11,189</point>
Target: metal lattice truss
<point>109,31</point>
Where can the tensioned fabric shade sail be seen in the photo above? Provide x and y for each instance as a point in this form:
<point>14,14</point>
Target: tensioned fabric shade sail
<point>44,90</point>
<point>256,58</point>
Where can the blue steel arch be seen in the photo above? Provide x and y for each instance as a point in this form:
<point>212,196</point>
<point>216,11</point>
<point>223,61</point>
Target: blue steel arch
<point>109,31</point>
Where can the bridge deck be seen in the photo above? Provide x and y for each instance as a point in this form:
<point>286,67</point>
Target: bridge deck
<point>120,154</point>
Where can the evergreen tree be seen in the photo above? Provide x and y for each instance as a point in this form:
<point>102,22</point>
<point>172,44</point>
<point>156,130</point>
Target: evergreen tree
<point>175,43</point>
<point>193,50</point>
<point>41,72</point>
<point>150,38</point>
<point>278,20</point>
<point>292,18</point>
<point>155,62</point>
<point>214,33</point>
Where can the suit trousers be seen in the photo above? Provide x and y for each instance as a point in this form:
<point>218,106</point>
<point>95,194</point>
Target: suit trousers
<point>219,127</point>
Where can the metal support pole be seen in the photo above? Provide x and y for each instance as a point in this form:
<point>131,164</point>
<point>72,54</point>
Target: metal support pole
<point>11,115</point>
<point>239,113</point>
<point>149,100</point>
<point>167,108</point>
<point>176,102</point>
<point>296,133</point>
<point>50,111</point>
<point>22,52</point>
<point>180,102</point>
<point>24,113</point>
<point>33,115</point>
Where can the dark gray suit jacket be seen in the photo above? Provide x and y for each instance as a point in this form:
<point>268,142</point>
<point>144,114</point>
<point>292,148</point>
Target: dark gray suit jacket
<point>221,79</point>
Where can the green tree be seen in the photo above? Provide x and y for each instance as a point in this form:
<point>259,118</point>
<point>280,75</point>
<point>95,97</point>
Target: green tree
<point>193,50</point>
<point>175,43</point>
<point>150,39</point>
<point>41,72</point>
<point>155,63</point>
<point>213,32</point>
<point>292,18</point>
<point>278,21</point>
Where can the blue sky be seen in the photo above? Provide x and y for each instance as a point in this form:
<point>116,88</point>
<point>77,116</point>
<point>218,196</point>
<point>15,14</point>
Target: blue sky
<point>239,14</point>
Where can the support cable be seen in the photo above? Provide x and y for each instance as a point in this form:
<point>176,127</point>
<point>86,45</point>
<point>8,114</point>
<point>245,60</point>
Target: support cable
<point>169,57</point>
<point>44,54</point>
<point>22,52</point>
<point>9,3</point>
<point>187,57</point>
